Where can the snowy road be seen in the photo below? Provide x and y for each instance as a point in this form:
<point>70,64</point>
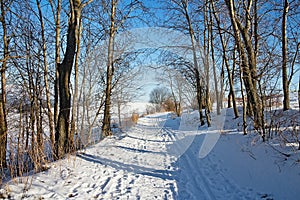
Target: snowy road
<point>157,159</point>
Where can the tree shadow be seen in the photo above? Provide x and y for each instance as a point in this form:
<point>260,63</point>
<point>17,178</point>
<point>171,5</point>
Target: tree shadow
<point>179,170</point>
<point>134,168</point>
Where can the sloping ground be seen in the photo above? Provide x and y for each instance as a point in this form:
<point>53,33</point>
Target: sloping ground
<point>164,158</point>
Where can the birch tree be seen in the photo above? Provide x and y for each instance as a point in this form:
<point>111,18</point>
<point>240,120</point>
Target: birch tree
<point>117,19</point>
<point>286,94</point>
<point>248,58</point>
<point>109,71</point>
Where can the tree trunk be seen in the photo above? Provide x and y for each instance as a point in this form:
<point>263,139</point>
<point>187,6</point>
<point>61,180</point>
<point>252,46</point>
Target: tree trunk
<point>75,95</point>
<point>299,94</point>
<point>244,104</point>
<point>57,61</point>
<point>176,103</point>
<point>206,50</point>
<point>214,64</point>
<point>64,139</point>
<point>3,111</point>
<point>222,77</point>
<point>200,100</point>
<point>45,63</point>
<point>229,99</point>
<point>285,82</point>
<point>196,66</point>
<point>231,95</point>
<point>3,141</point>
<point>106,129</point>
<point>248,63</point>
<point>119,113</point>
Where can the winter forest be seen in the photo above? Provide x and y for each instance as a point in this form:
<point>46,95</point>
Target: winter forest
<point>224,72</point>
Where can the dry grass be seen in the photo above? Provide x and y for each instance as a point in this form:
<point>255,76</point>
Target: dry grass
<point>134,117</point>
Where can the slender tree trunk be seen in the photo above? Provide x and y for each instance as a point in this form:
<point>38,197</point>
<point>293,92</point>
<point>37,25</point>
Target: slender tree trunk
<point>242,90</point>
<point>176,103</point>
<point>231,95</point>
<point>3,111</point>
<point>106,129</point>
<point>299,94</point>
<point>91,125</point>
<point>231,88</point>
<point>214,63</point>
<point>75,95</point>
<point>229,105</point>
<point>57,61</point>
<point>196,66</point>
<point>3,140</point>
<point>45,63</point>
<point>84,95</point>
<point>206,49</point>
<point>222,77</point>
<point>247,61</point>
<point>200,100</point>
<point>244,104</point>
<point>285,82</point>
<point>119,112</point>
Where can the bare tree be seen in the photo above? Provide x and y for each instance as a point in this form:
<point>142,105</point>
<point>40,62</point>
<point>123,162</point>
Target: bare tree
<point>231,95</point>
<point>248,59</point>
<point>158,96</point>
<point>207,46</point>
<point>3,110</point>
<point>109,70</point>
<point>217,94</point>
<point>91,95</point>
<point>64,139</point>
<point>125,86</point>
<point>179,73</point>
<point>46,75</point>
<point>116,22</point>
<point>175,81</point>
<point>184,6</point>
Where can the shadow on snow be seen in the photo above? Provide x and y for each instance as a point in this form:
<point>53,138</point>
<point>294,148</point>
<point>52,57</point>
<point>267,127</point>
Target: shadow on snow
<point>184,170</point>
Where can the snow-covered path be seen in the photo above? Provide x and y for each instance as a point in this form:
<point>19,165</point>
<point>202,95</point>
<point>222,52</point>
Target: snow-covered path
<point>157,159</point>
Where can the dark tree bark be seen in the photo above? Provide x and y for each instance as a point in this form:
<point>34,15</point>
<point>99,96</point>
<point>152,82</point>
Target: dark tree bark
<point>244,100</point>
<point>64,139</point>
<point>3,140</point>
<point>3,111</point>
<point>299,94</point>
<point>57,61</point>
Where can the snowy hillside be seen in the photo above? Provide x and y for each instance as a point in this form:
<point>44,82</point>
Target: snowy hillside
<point>162,158</point>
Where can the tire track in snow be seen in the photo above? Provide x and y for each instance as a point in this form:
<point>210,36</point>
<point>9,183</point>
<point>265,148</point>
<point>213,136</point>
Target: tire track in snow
<point>203,178</point>
<point>189,177</point>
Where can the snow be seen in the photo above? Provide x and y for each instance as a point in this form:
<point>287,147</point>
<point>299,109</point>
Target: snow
<point>169,158</point>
